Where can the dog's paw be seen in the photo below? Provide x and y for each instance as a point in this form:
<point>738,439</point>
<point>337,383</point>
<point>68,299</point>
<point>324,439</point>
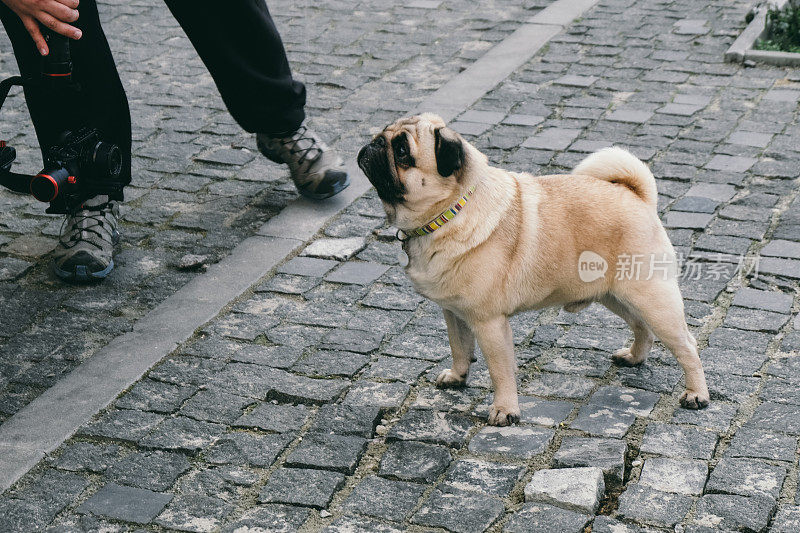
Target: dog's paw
<point>694,400</point>
<point>624,357</point>
<point>502,416</point>
<point>448,379</point>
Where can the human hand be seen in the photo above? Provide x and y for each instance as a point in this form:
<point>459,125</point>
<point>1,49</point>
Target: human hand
<point>54,14</point>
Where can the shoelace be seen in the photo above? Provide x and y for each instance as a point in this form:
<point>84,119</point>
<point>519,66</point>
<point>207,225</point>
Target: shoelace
<point>95,214</point>
<point>293,143</point>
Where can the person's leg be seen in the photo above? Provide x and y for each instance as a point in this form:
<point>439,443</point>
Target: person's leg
<point>85,248</point>
<point>243,51</point>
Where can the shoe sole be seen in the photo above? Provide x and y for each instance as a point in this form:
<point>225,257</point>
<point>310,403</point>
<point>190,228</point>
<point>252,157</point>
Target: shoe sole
<point>81,275</point>
<point>337,187</point>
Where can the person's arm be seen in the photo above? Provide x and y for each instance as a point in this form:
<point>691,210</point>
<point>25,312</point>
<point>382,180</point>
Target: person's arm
<point>54,14</point>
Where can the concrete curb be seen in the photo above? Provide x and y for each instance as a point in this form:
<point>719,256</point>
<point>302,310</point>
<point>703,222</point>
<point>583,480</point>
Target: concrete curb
<point>49,420</point>
<point>742,48</point>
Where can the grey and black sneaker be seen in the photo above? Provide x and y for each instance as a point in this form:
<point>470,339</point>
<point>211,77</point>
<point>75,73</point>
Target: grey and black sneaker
<point>316,170</point>
<point>85,248</point>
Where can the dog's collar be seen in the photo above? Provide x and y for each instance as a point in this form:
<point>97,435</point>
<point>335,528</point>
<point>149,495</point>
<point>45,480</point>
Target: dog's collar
<point>439,221</point>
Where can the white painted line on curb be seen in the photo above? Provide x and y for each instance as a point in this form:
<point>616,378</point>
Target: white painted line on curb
<point>45,423</point>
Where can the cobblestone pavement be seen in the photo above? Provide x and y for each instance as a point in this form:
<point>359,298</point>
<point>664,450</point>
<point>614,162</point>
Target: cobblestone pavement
<point>310,404</point>
<point>199,185</point>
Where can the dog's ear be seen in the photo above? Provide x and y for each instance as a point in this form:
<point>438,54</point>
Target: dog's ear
<point>449,150</point>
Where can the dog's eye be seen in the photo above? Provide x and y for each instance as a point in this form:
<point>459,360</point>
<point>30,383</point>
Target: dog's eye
<point>402,151</point>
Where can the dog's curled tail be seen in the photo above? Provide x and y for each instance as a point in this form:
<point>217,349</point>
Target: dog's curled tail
<point>620,166</point>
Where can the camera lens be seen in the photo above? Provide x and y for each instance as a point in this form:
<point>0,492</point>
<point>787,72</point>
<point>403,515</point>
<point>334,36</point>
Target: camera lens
<point>46,185</point>
<point>106,160</point>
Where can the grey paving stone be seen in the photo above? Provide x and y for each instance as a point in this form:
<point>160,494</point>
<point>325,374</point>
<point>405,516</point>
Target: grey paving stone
<point>275,417</point>
<point>122,424</point>
<point>384,498</point>
<point>552,139</point>
<point>752,442</point>
<point>48,492</point>
<point>577,489</point>
<point>324,363</point>
<point>475,475</point>
<point>629,115</point>
<point>789,268</point>
<point>777,417</point>
<point>361,273</point>
<point>484,117</point>
<point>240,326</point>
<point>719,192</point>
<point>307,266</point>
<point>746,477</point>
<point>182,433</point>
<point>280,283</point>
<point>781,391</point>
<point>678,441</point>
<point>755,320</point>
<point>734,338</point>
<point>331,452</point>
<point>459,511</point>
<point>397,368</point>
<point>547,519</point>
<point>355,524</point>
<point>674,475</point>
<point>650,506</point>
<point>517,119</point>
<point>346,420</point>
<point>606,524</point>
<point>576,81</point>
<point>194,512</point>
<point>696,205</point>
<point>732,361</point>
<point>125,503</point>
<point>414,461</point>
<point>603,421</point>
<point>469,128</point>
<point>246,448</point>
<point>737,513</point>
<point>678,219</point>
<point>512,441</point>
<point>731,388</point>
<point>292,388</point>
<point>301,486</point>
<point>593,338</point>
<point>154,470</point>
<point>280,356</point>
<point>150,395</point>
<point>335,249</point>
<point>87,456</point>
<point>418,346</point>
<point>786,520</point>
<point>385,396</point>
<point>781,248</point>
<point>606,454</point>
<point>684,110</point>
<point>270,517</point>
<point>583,362</point>
<point>351,340</point>
<point>559,386</point>
<point>432,426</point>
<point>728,163</point>
<point>391,298</point>
<point>215,406</point>
<point>12,268</point>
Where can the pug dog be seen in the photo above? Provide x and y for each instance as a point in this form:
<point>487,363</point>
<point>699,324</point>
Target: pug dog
<point>485,243</point>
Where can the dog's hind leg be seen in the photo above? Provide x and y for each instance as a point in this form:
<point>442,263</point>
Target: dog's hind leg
<point>643,338</point>
<point>497,344</point>
<point>660,305</point>
<point>462,346</point>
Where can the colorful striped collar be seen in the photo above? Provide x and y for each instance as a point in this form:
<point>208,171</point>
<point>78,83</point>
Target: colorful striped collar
<point>439,221</point>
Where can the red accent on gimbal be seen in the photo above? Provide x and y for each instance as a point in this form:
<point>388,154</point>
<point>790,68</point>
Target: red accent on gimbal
<point>55,187</point>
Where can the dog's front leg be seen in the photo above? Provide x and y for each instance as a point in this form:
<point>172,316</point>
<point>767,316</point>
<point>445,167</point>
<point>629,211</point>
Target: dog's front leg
<point>462,346</point>
<point>497,344</point>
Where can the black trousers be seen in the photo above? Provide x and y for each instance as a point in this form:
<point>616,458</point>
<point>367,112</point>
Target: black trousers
<point>237,40</point>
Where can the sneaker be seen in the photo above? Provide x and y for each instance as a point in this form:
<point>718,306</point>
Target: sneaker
<point>85,248</point>
<point>316,170</point>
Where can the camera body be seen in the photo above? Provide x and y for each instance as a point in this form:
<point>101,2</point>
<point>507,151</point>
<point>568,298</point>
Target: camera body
<point>79,166</point>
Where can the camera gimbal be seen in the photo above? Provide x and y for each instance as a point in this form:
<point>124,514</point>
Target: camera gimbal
<point>77,167</point>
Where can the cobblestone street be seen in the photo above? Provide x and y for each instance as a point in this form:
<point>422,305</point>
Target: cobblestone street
<point>309,404</point>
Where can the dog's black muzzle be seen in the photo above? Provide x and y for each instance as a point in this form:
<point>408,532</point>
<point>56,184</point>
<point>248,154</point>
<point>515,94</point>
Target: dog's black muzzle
<point>373,159</point>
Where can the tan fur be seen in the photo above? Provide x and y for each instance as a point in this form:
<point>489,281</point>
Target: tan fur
<point>515,247</point>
